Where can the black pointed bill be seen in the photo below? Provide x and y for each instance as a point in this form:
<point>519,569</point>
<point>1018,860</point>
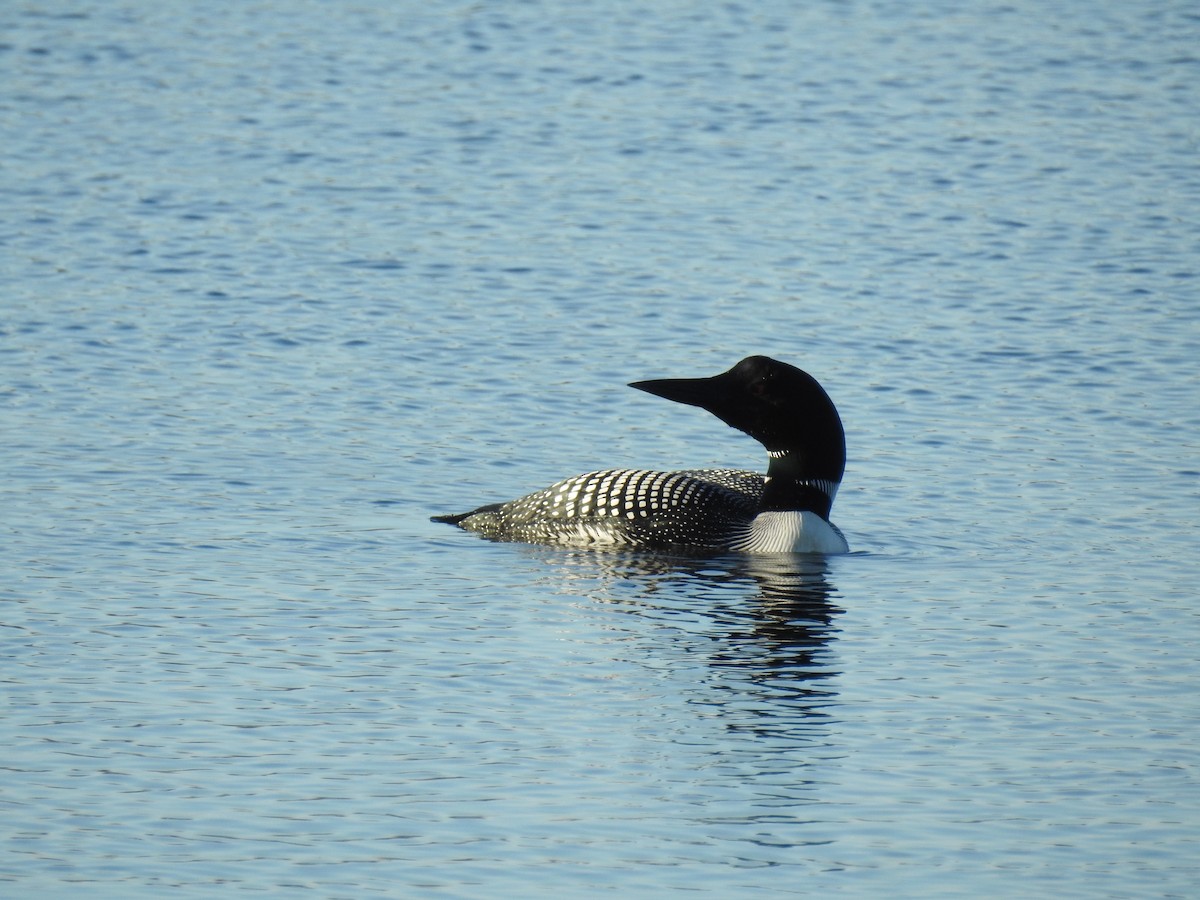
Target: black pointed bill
<point>702,392</point>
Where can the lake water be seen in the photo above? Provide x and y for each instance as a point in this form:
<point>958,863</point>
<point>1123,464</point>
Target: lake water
<point>281,280</point>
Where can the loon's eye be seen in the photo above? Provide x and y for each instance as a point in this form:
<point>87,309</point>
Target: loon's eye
<point>759,387</point>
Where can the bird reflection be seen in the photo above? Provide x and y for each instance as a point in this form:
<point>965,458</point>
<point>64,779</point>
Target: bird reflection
<point>764,624</point>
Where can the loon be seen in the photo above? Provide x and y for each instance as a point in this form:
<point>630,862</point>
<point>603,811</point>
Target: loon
<point>785,511</point>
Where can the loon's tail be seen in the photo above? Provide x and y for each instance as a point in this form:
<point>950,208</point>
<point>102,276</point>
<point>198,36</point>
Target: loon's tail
<point>457,518</point>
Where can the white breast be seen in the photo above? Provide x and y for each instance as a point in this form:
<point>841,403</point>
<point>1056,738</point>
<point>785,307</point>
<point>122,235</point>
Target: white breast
<point>791,532</point>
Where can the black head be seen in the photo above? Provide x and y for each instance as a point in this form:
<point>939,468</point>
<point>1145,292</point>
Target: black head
<point>782,407</point>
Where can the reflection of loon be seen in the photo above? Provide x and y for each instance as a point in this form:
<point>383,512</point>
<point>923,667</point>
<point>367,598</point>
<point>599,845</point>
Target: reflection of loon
<point>767,621</point>
<point>787,510</point>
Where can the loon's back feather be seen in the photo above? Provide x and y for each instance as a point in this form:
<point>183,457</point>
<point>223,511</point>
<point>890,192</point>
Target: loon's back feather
<point>627,508</point>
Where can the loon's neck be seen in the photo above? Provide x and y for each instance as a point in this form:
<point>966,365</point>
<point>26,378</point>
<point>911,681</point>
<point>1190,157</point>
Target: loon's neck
<point>791,486</point>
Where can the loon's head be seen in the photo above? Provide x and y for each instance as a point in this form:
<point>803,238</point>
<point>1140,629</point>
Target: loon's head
<point>780,406</point>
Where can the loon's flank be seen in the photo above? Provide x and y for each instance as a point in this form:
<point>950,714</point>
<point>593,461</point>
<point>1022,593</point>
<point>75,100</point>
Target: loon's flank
<point>784,511</point>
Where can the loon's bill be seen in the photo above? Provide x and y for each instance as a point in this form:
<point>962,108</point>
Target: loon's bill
<point>784,511</point>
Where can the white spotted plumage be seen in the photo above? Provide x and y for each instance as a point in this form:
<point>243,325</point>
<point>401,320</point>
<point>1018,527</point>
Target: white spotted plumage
<point>628,508</point>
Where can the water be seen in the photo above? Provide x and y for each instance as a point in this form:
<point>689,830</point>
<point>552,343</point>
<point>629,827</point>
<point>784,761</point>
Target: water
<point>282,280</point>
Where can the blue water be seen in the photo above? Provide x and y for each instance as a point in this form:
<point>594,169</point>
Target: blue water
<point>281,280</point>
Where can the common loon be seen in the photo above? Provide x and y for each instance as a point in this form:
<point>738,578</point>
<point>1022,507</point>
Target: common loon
<point>785,511</point>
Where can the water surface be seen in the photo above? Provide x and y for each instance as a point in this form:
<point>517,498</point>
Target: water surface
<point>280,281</point>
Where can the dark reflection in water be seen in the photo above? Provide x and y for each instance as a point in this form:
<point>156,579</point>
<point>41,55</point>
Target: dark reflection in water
<point>762,624</point>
